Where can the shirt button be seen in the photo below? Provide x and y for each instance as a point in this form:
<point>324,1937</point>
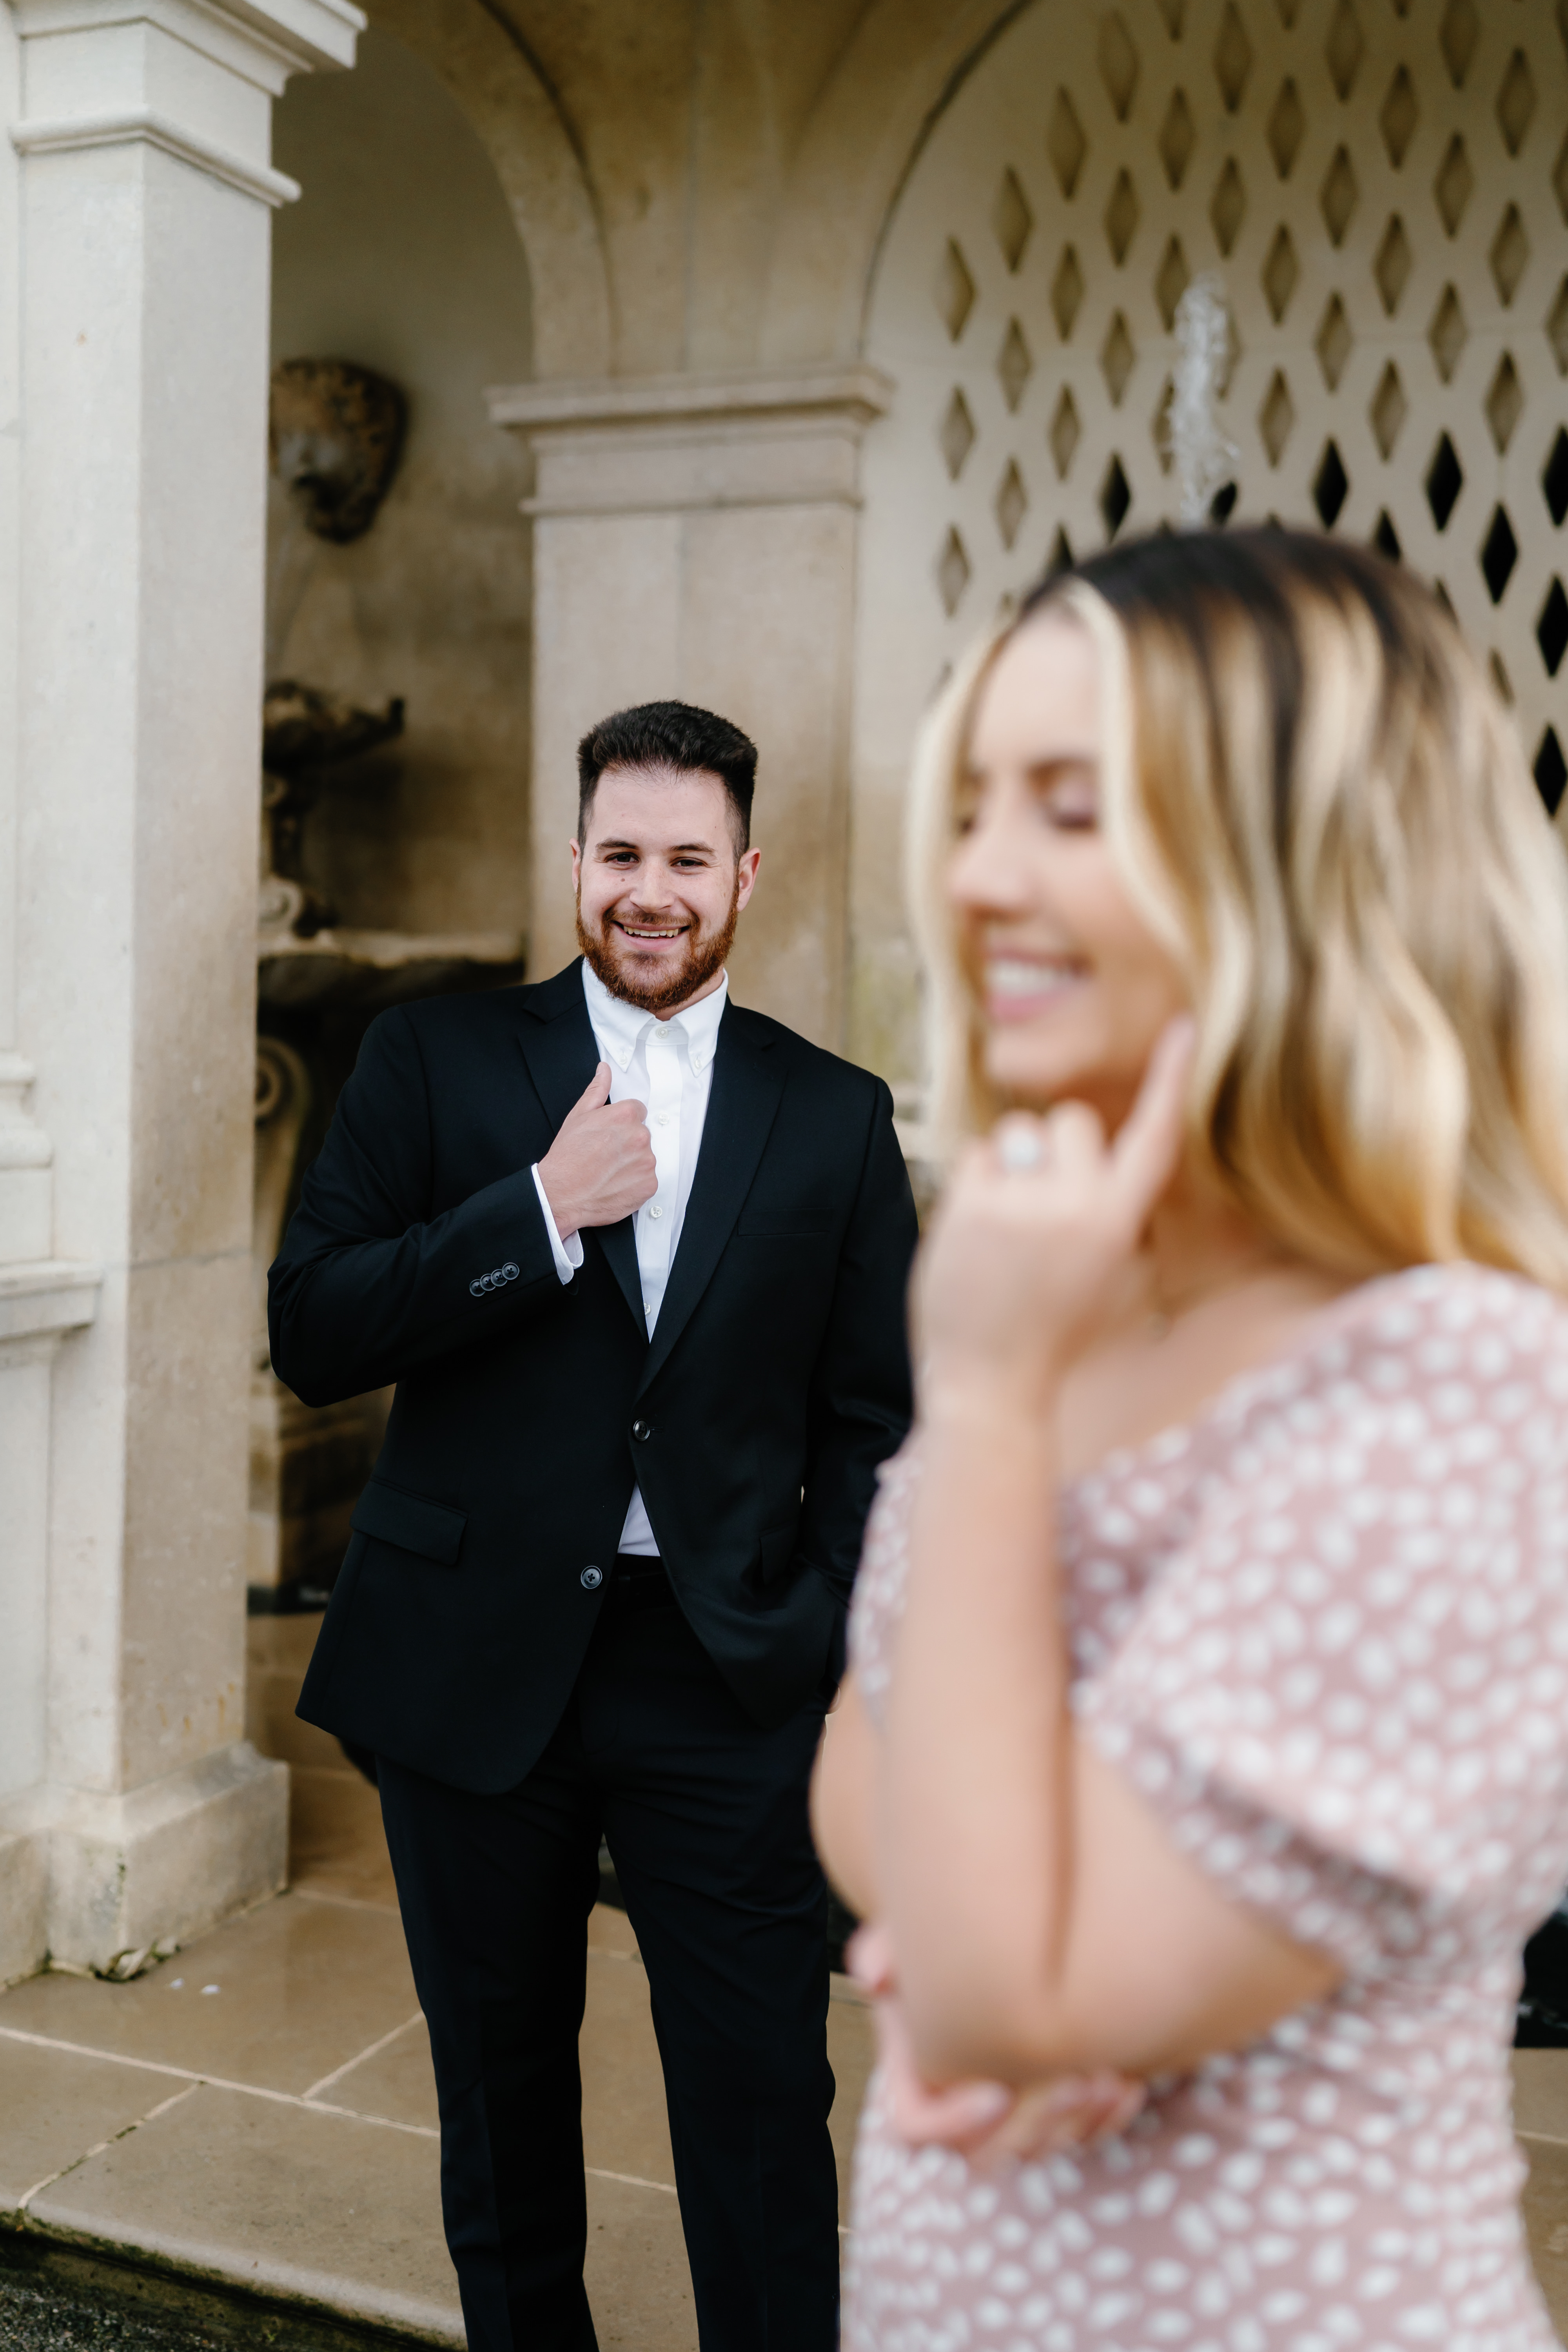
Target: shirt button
<point>642,1431</point>
<point>591,1578</point>
<point>655,1213</point>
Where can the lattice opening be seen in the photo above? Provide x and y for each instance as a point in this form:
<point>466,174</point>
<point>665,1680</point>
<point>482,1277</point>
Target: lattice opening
<point>955,434</point>
<point>1061,554</point>
<point>1550,770</point>
<point>1066,292</point>
<point>1122,217</point>
<point>1115,498</point>
<point>1118,65</point>
<point>1333,342</point>
<point>1276,417</point>
<point>1330,486</point>
<point>1345,50</point>
<point>1504,403</point>
<point>1509,253</point>
<point>1447,334</point>
<point>1554,479</point>
<point>1557,328</point>
<point>1066,144</point>
<point>1286,125</point>
<point>1280,274</point>
<point>1229,206</point>
<point>1399,117</point>
<point>1232,58</point>
<point>1178,138</point>
<point>1172,281</point>
<point>1066,430</point>
<point>1457,37</point>
<point>954,290</point>
<point>1222,506</point>
<point>1015,365</point>
<point>1501,679</point>
<point>1116,358</point>
<point>1551,628</point>
<point>1445,480</point>
<point>1012,503</point>
<point>1515,102</point>
<point>1338,195</point>
<point>1392,268</point>
<point>1386,539</point>
<point>1499,553</point>
<point>1454,184</point>
<point>1389,408</point>
<point>1011,219</point>
<point>952,571</point>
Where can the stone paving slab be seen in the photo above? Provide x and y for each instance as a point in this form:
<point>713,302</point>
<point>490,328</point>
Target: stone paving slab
<point>326,2209</point>
<point>300,1988</point>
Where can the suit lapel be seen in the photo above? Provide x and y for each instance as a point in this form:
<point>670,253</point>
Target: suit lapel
<point>558,1045</point>
<point>742,1103</point>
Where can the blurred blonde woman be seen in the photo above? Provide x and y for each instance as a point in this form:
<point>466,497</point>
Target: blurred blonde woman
<point>1204,1762</point>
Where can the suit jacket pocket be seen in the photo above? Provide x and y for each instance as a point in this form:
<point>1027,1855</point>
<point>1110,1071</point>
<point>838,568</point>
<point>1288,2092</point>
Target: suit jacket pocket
<point>775,1551</point>
<point>394,1516</point>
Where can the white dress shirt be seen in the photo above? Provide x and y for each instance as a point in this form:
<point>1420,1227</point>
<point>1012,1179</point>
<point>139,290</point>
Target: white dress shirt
<point>666,1066</point>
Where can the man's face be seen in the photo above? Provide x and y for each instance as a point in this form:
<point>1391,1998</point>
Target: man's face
<point>659,884</point>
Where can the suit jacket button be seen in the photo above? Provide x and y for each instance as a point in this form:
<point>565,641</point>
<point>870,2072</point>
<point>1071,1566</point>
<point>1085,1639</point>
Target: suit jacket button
<point>476,1290</point>
<point>642,1431</point>
<point>591,1578</point>
<point>509,1271</point>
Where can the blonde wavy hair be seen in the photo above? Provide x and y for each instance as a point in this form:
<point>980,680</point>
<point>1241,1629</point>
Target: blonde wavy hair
<point>1315,799</point>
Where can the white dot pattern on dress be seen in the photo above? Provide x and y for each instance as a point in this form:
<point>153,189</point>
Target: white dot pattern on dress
<point>1324,1630</point>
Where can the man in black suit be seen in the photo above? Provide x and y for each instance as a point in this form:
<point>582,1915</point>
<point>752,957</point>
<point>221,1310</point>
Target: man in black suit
<point>636,1259</point>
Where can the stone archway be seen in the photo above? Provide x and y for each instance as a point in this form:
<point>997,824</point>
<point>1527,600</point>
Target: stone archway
<point>516,117</point>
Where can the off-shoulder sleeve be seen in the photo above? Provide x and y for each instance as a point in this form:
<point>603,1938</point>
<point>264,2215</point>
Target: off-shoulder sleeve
<point>1347,1693</point>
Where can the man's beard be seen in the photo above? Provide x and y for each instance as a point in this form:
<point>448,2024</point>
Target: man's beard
<point>705,956</point>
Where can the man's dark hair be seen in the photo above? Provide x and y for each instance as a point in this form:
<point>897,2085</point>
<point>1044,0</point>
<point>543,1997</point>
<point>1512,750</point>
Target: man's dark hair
<point>674,735</point>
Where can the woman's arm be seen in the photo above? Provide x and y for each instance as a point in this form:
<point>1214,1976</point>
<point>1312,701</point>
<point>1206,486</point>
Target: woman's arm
<point>843,1793</point>
<point>1041,1918</point>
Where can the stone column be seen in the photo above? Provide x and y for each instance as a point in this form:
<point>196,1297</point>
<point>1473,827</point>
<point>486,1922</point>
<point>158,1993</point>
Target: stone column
<point>136,1811</point>
<point>694,538</point>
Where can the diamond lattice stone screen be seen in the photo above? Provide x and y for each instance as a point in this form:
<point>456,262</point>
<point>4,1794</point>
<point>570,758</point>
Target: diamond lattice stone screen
<point>1382,187</point>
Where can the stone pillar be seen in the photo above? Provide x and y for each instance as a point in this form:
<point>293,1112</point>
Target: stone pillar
<point>135,1810</point>
<point>694,538</point>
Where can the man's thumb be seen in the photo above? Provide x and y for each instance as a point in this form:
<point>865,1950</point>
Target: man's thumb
<point>597,1089</point>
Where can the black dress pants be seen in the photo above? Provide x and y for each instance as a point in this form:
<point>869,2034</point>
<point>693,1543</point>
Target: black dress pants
<point>705,1816</point>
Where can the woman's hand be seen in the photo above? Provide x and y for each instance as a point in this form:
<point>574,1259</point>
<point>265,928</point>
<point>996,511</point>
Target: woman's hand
<point>990,2124</point>
<point>1037,1226</point>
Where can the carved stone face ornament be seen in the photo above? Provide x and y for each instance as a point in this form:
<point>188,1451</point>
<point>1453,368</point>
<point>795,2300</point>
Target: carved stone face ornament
<point>336,435</point>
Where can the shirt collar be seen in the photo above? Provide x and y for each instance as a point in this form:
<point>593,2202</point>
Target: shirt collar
<point>619,1026</point>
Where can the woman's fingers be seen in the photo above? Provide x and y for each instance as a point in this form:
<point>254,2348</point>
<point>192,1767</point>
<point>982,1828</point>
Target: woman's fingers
<point>1149,1143</point>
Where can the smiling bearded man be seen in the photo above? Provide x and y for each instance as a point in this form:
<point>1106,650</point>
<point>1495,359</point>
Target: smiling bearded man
<point>636,1259</point>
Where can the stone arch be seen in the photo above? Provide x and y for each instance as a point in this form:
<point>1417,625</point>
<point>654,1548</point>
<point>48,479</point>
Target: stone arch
<point>895,78</point>
<point>515,115</point>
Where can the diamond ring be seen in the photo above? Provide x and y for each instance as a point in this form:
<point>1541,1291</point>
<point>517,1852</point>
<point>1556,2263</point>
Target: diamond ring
<point>1020,1149</point>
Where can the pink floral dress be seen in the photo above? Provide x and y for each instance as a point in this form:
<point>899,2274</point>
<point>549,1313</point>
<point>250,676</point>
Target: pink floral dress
<point>1324,1630</point>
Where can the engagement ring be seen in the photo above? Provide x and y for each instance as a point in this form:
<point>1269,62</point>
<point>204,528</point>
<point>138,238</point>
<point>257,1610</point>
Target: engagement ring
<point>1020,1150</point>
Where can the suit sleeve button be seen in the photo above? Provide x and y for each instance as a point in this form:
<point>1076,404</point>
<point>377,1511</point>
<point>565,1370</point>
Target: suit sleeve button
<point>509,1271</point>
<point>591,1578</point>
<point>476,1290</point>
<point>642,1431</point>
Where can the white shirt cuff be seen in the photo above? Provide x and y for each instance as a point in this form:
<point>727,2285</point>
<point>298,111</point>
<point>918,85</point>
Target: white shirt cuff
<point>568,1255</point>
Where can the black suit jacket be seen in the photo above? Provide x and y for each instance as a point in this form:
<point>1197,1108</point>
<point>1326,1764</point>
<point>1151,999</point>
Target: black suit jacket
<point>775,1381</point>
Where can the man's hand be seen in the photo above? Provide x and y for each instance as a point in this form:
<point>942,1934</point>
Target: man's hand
<point>600,1167</point>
